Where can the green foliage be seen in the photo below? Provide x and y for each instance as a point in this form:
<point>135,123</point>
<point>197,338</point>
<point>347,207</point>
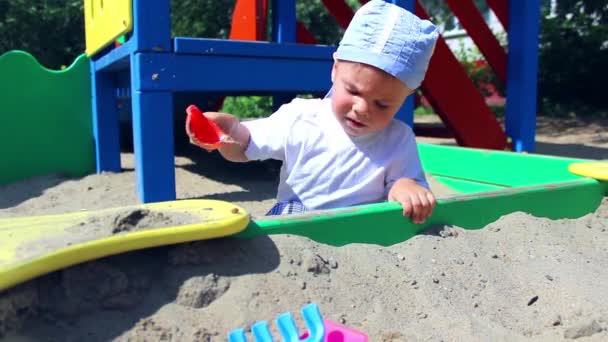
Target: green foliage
<point>573,57</point>
<point>422,110</point>
<point>252,106</point>
<point>51,30</point>
<point>248,106</point>
<point>319,21</point>
<point>478,70</point>
<point>201,18</point>
<point>573,51</point>
<point>441,14</point>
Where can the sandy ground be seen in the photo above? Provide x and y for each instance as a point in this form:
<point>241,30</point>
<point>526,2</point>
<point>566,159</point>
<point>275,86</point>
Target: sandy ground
<point>520,278</point>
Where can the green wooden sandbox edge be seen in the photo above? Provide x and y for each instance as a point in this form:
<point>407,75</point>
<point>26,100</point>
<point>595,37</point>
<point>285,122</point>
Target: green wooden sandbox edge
<point>535,184</point>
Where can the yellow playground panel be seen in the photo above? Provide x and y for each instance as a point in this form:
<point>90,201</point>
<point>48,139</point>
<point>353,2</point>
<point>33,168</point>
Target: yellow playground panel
<point>105,21</point>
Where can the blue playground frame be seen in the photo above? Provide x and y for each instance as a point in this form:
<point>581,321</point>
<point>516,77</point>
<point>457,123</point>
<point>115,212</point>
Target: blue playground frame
<point>155,66</point>
<point>522,73</point>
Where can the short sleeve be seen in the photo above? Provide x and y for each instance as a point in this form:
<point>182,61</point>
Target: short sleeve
<point>406,163</point>
<point>268,135</point>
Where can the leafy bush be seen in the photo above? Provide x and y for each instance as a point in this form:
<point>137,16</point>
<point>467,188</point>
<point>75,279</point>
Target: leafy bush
<point>573,57</point>
<point>478,70</point>
<point>248,106</point>
<point>573,51</point>
<point>201,18</point>
<point>51,30</point>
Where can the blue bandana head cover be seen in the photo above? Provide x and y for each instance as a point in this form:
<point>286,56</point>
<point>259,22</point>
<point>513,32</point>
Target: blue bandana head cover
<point>390,38</point>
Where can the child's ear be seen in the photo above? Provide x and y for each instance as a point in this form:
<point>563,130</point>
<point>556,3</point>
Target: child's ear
<point>333,70</point>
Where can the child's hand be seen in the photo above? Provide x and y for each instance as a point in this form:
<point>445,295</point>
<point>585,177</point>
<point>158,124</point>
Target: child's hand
<point>218,131</point>
<point>417,201</point>
<point>208,130</point>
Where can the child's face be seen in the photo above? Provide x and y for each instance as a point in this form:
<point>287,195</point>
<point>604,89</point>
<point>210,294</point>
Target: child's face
<point>365,99</point>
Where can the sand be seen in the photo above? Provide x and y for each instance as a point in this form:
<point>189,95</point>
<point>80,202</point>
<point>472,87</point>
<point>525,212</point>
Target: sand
<point>519,278</point>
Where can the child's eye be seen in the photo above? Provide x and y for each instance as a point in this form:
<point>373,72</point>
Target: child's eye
<point>381,105</point>
<point>352,91</point>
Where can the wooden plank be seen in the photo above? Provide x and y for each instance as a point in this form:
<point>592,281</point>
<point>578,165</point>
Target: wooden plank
<point>171,72</point>
<point>284,21</point>
<point>501,9</point>
<point>303,35</point>
<point>115,60</point>
<point>105,121</point>
<point>340,10</point>
<point>359,224</point>
<point>153,145</point>
<point>249,20</point>
<point>484,38</point>
<point>152,25</point>
<point>220,47</point>
<point>455,98</point>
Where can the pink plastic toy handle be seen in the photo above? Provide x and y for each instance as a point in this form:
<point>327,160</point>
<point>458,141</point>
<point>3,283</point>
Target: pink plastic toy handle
<point>335,332</point>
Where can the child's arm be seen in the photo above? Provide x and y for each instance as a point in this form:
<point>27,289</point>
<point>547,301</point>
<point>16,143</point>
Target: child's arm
<point>417,201</point>
<point>258,139</point>
<point>234,151</point>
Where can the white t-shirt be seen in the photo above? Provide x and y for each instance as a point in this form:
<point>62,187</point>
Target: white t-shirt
<point>325,168</point>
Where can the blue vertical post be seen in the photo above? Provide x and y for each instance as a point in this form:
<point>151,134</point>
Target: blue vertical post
<point>283,31</point>
<point>524,25</point>
<point>152,111</point>
<point>105,121</point>
<point>153,145</point>
<point>406,112</point>
<point>284,21</point>
<point>152,25</point>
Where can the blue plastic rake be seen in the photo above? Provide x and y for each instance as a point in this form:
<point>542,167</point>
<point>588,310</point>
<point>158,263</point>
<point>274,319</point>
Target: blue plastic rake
<point>287,328</point>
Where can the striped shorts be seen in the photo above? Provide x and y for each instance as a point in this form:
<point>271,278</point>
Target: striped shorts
<point>287,208</point>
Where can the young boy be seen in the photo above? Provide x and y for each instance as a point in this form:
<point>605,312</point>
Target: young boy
<point>348,149</point>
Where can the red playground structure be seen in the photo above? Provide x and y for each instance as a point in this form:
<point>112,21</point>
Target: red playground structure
<point>447,87</point>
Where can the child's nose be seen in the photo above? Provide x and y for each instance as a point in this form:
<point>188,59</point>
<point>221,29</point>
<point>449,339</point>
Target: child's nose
<point>360,106</point>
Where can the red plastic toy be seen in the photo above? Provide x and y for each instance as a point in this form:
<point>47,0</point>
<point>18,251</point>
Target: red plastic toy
<point>202,131</point>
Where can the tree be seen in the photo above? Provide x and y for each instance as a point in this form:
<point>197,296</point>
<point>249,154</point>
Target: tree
<point>201,18</point>
<point>441,14</point>
<point>51,30</point>
<point>573,54</point>
<point>573,46</point>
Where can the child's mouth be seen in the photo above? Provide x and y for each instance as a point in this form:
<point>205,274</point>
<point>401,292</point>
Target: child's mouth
<point>355,123</point>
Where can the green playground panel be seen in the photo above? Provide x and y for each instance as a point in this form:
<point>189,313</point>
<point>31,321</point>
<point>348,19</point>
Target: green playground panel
<point>45,120</point>
<point>491,183</point>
